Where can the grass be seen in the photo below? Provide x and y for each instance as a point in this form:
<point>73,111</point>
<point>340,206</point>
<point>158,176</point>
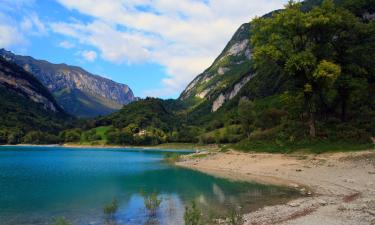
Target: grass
<point>199,156</point>
<point>186,146</point>
<point>171,157</point>
<point>305,146</point>
<point>100,132</point>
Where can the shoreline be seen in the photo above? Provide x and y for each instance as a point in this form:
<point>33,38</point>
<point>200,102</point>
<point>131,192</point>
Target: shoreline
<point>337,188</point>
<point>162,147</point>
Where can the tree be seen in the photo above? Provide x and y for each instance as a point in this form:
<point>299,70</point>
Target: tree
<point>302,44</point>
<point>246,115</point>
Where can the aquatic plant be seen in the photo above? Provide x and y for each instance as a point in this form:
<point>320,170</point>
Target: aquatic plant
<point>152,202</point>
<point>111,208</point>
<point>193,215</point>
<point>235,218</point>
<point>60,221</point>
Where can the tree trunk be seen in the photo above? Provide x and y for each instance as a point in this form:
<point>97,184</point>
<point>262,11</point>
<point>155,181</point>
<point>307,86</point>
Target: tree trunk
<point>343,110</point>
<point>312,125</point>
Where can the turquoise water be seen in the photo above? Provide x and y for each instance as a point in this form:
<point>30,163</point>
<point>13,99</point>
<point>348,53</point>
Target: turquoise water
<point>40,183</point>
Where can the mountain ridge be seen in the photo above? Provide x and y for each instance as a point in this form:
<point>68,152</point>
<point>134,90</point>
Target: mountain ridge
<point>29,112</point>
<point>94,95</point>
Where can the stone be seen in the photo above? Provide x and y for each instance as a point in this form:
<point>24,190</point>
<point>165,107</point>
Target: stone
<point>293,204</point>
<point>348,180</point>
<point>322,202</point>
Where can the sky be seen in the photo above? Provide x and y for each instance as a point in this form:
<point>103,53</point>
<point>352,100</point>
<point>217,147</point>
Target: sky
<point>155,46</point>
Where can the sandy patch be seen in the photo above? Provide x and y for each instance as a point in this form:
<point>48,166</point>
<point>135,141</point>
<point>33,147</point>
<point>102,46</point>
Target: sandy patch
<point>339,188</point>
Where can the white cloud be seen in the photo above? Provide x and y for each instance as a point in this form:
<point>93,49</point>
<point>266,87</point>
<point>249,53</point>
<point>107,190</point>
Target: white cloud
<point>10,34</point>
<point>185,36</point>
<point>14,28</point>
<point>89,56</point>
<point>32,25</point>
<point>66,44</point>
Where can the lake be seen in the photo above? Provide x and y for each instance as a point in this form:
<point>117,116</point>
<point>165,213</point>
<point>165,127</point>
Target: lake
<point>38,184</point>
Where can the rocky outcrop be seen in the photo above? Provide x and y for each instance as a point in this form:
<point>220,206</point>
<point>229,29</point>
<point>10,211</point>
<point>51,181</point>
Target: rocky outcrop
<point>229,67</point>
<point>101,95</point>
<point>13,78</point>
<point>369,16</point>
<point>228,95</point>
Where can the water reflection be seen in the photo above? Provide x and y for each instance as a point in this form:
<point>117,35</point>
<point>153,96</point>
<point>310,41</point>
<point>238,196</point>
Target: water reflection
<point>36,186</point>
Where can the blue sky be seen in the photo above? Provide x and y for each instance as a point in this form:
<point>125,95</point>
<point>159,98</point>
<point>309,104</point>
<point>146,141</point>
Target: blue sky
<point>155,46</point>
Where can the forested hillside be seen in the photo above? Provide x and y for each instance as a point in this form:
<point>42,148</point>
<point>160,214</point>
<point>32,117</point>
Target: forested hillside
<point>29,113</point>
<point>295,78</point>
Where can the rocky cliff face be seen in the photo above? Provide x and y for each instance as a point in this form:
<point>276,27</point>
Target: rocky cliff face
<point>16,80</point>
<point>226,76</point>
<point>79,92</point>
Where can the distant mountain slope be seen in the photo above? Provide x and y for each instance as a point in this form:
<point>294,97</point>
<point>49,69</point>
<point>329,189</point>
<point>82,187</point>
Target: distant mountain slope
<point>26,107</point>
<point>79,92</point>
<point>226,76</point>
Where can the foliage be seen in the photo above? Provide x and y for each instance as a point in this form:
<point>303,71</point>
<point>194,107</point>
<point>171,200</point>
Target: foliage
<point>235,218</point>
<point>313,75</point>
<point>172,157</point>
<point>22,119</point>
<point>246,115</point>
<point>152,202</point>
<point>193,215</point>
<point>60,221</point>
<point>303,45</point>
<point>111,208</point>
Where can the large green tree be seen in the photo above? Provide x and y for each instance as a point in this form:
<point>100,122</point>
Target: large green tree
<point>306,46</point>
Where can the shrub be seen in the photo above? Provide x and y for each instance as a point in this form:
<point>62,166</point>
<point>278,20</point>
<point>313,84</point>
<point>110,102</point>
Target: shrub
<point>171,157</point>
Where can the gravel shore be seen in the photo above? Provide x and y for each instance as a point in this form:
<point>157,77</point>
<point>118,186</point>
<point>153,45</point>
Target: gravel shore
<point>339,188</point>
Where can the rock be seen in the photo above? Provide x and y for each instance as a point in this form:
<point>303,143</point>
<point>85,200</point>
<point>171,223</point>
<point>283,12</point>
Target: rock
<point>294,185</point>
<point>223,97</point>
<point>293,204</point>
<point>322,202</point>
<point>371,172</point>
<point>371,212</point>
<point>348,180</point>
<point>298,170</point>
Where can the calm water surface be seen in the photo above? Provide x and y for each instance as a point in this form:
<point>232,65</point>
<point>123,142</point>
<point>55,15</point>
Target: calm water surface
<point>40,183</point>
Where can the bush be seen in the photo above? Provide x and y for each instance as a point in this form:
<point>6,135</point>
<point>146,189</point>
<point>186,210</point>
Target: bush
<point>270,118</point>
<point>172,157</point>
<point>73,135</point>
<point>38,137</point>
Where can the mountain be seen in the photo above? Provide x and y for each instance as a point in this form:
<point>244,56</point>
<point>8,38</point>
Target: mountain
<point>263,108</point>
<point>79,92</point>
<point>226,76</point>
<point>27,108</point>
